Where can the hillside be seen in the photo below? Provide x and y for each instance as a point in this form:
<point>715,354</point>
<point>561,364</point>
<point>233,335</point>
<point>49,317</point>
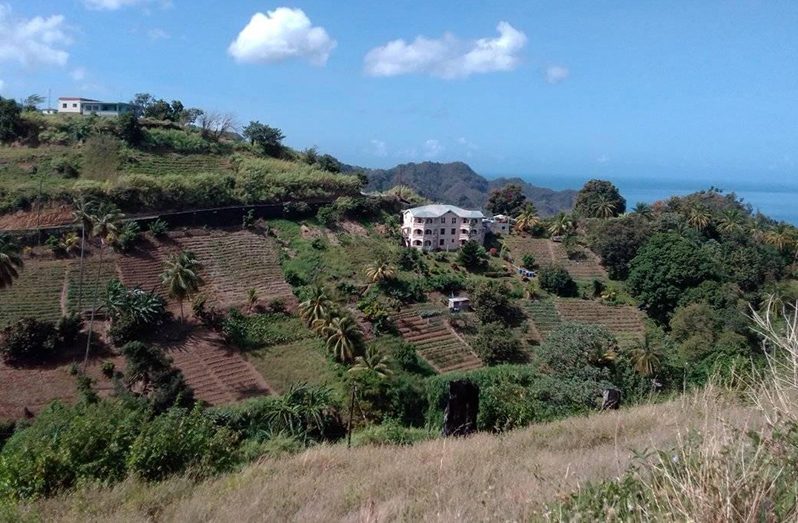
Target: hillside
<point>457,184</point>
<point>512,477</point>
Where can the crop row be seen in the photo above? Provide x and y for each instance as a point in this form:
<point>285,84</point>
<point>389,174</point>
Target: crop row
<point>436,342</point>
<point>36,293</point>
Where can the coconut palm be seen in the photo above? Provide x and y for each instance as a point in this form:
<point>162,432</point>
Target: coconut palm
<point>105,228</point>
<point>181,277</point>
<point>83,215</point>
<point>730,220</point>
<point>252,299</point>
<point>643,209</point>
<point>527,219</point>
<point>10,261</point>
<point>343,338</point>
<point>380,271</point>
<point>561,225</point>
<point>699,217</point>
<point>373,361</point>
<point>317,307</point>
<point>71,242</point>
<point>782,237</point>
<point>646,356</point>
<point>603,207</point>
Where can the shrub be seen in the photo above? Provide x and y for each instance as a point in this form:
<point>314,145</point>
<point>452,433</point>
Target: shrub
<point>491,303</point>
<point>181,441</point>
<point>158,228</point>
<point>127,237</point>
<point>529,261</point>
<point>28,341</point>
<point>390,433</point>
<point>557,280</point>
<point>149,372</point>
<point>579,351</point>
<point>68,328</point>
<point>472,256</point>
<point>496,344</point>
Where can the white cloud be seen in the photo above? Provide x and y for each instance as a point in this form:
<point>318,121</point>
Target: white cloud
<point>158,34</point>
<point>109,5</point>
<point>432,148</point>
<point>78,74</point>
<point>448,57</point>
<point>556,73</point>
<point>280,35</point>
<point>379,148</point>
<point>37,41</point>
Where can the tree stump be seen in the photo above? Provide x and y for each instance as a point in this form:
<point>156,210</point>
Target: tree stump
<point>460,416</point>
<point>611,399</point>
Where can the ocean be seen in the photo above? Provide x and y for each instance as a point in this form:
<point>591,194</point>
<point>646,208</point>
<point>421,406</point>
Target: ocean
<point>779,200</point>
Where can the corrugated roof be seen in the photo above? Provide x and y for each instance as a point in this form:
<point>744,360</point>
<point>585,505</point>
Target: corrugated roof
<point>438,210</point>
<point>78,98</point>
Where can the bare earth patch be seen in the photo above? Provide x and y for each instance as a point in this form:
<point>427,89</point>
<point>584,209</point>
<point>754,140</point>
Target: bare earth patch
<point>49,217</point>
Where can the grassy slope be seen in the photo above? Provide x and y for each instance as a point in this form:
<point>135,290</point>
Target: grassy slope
<point>485,477</point>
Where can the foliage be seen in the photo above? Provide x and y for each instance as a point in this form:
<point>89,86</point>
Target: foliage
<point>508,200</point>
<point>10,261</point>
<point>10,122</point>
<point>472,256</point>
<point>599,199</point>
<point>28,341</point>
<point>528,261</point>
<point>269,139</point>
<point>491,303</point>
<point>666,266</point>
<point>128,235</point>
<point>390,432</point>
<point>181,276</point>
<point>130,129</point>
<point>618,241</point>
<point>496,344</point>
<point>149,374</point>
<point>556,279</point>
<point>158,228</point>
<point>135,313</point>
<point>580,351</point>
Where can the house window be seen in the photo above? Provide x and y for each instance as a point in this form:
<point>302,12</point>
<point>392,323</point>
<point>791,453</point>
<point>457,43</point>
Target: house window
<point>454,220</point>
<point>441,242</point>
<point>428,231</point>
<point>464,231</point>
<point>454,231</point>
<point>74,105</point>
<point>465,220</point>
<point>63,106</point>
<point>427,243</point>
<point>429,220</point>
<point>417,242</point>
<point>418,231</point>
<point>443,231</point>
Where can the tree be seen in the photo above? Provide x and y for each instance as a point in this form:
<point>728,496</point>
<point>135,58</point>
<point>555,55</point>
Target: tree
<point>10,261</point>
<point>491,303</point>
<point>527,219</point>
<point>699,217</point>
<point>28,341</point>
<point>140,103</point>
<point>149,374</point>
<point>10,121</point>
<point>496,344</point>
<point>528,260</point>
<point>269,139</point>
<point>329,163</point>
<point>576,350</point>
<point>181,277</point>
<point>642,209</point>
<point>317,307</point>
<point>472,255</point>
<point>562,225</point>
<point>82,213</point>
<point>380,271</point>
<point>508,200</point>
<point>730,221</point>
<point>664,268</point>
<point>32,102</point>
<point>373,362</point>
<point>343,338</point>
<point>130,129</point>
<point>783,237</point>
<point>214,125</point>
<point>104,227</point>
<point>599,199</point>
<point>646,356</point>
<point>618,241</point>
<point>556,279</point>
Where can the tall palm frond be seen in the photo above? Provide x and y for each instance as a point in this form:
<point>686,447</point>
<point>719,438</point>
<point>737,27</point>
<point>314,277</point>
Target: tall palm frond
<point>343,338</point>
<point>181,277</point>
<point>527,219</point>
<point>10,261</point>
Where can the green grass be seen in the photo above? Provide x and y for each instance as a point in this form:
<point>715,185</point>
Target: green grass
<point>294,363</point>
<point>37,293</point>
<point>276,329</point>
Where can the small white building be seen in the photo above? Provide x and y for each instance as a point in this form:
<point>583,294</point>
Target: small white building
<point>87,106</point>
<point>459,304</point>
<point>499,224</point>
<point>441,227</point>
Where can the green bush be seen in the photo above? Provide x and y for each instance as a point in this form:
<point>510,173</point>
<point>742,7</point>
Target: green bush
<point>390,433</point>
<point>28,341</point>
<point>178,441</point>
<point>557,280</point>
<point>176,140</point>
<point>496,344</point>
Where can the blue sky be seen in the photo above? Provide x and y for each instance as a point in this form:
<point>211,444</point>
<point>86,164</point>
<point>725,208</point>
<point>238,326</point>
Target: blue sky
<point>623,90</point>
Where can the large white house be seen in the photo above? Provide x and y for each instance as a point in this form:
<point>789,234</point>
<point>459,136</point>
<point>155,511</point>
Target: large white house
<point>67,104</point>
<point>441,227</point>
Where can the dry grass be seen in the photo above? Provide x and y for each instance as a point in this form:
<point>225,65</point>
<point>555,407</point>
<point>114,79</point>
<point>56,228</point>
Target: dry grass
<point>484,477</point>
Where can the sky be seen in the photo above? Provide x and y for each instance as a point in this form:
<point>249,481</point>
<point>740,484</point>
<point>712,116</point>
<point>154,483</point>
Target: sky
<point>634,90</point>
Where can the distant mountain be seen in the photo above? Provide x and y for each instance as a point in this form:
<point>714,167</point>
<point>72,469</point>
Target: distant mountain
<point>457,184</point>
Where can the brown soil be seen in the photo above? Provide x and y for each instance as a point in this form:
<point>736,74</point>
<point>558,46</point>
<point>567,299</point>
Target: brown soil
<point>49,217</point>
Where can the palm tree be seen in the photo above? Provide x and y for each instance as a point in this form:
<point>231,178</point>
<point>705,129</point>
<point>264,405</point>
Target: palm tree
<point>343,337</point>
<point>372,362</point>
<point>71,242</point>
<point>252,298</point>
<point>527,219</point>
<point>603,207</point>
<point>731,220</point>
<point>782,237</point>
<point>10,261</point>
<point>646,357</point>
<point>699,217</point>
<point>82,214</point>
<point>181,277</point>
<point>380,271</point>
<point>105,227</point>
<point>561,225</point>
<point>317,307</point>
<point>643,209</point>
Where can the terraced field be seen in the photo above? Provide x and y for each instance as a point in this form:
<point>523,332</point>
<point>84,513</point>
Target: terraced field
<point>435,341</point>
<point>546,251</point>
<point>107,271</point>
<point>159,164</point>
<point>235,262</point>
<point>36,293</point>
<point>544,318</point>
<point>623,321</point>
<point>218,374</point>
<point>143,266</point>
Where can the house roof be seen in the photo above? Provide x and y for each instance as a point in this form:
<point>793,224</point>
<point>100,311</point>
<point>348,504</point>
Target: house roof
<point>438,210</point>
<point>77,98</point>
